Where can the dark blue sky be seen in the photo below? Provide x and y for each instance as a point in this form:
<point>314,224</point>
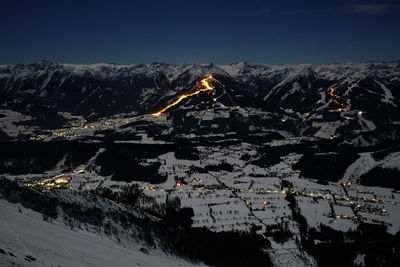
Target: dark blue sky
<point>128,32</point>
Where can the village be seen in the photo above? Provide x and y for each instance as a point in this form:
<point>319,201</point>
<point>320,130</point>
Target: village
<point>229,193</point>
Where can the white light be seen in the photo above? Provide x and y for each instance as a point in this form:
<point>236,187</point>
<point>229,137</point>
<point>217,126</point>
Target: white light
<point>360,113</point>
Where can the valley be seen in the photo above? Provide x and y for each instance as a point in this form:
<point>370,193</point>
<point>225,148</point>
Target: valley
<point>268,165</point>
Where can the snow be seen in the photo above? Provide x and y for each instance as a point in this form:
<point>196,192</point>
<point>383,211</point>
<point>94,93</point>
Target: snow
<point>327,129</point>
<point>362,165</point>
<point>100,70</point>
<point>234,200</point>
<point>388,97</point>
<point>366,162</point>
<point>360,260</point>
<point>243,69</point>
<point>296,87</point>
<point>369,124</point>
<point>25,233</point>
<point>9,121</point>
<point>316,214</point>
<point>392,161</point>
<point>290,257</point>
<point>240,70</point>
<point>223,200</point>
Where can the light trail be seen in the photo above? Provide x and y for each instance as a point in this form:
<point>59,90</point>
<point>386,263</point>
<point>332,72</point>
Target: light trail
<point>61,181</point>
<point>337,99</point>
<point>206,86</point>
<point>110,123</point>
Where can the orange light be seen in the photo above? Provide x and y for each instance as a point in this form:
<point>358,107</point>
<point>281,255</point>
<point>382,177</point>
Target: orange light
<point>61,181</point>
<point>61,134</point>
<point>206,87</point>
<point>337,99</point>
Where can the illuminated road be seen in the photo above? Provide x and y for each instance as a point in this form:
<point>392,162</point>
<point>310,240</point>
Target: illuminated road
<point>206,86</point>
<point>337,99</point>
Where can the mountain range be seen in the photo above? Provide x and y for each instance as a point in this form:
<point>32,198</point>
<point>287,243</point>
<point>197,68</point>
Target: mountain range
<point>323,101</point>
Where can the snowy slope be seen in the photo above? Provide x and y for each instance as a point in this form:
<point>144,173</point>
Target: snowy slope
<point>28,240</point>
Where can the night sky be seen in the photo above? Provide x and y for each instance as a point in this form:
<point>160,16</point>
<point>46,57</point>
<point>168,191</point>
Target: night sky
<point>130,32</point>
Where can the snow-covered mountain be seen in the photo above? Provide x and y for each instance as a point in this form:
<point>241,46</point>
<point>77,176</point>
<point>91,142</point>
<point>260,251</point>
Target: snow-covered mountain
<point>29,240</point>
<point>324,100</point>
<point>163,164</point>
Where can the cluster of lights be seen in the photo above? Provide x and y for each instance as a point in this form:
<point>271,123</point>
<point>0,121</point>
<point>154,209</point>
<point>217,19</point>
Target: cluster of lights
<point>37,137</point>
<point>50,183</point>
<point>151,187</point>
<point>56,181</point>
<point>177,184</point>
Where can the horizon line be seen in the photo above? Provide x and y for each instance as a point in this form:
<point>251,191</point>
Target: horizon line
<point>210,63</point>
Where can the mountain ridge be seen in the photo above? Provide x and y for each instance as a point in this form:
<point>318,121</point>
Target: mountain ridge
<point>323,101</point>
